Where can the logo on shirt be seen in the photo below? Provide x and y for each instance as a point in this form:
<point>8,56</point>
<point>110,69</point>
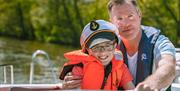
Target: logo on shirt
<point>143,56</point>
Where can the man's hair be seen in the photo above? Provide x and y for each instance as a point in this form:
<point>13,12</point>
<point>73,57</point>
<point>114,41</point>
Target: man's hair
<point>111,3</point>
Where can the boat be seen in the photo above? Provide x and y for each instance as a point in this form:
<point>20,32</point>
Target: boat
<point>175,86</point>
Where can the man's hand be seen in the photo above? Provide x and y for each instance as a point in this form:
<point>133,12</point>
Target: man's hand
<point>144,87</point>
<point>162,77</point>
<point>71,81</point>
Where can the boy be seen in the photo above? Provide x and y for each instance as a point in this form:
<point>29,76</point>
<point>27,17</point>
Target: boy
<point>98,62</point>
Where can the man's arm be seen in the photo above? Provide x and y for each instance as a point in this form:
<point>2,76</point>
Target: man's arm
<point>163,76</point>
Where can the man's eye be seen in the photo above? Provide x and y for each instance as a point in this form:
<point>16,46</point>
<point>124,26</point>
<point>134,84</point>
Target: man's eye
<point>131,17</point>
<point>120,18</point>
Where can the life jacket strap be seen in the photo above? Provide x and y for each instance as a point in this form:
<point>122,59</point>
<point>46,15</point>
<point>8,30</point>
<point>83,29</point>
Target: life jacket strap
<point>107,71</point>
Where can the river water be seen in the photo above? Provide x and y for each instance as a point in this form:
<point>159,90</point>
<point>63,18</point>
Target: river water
<point>18,53</point>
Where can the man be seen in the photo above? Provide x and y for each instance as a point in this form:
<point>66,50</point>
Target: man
<point>149,56</point>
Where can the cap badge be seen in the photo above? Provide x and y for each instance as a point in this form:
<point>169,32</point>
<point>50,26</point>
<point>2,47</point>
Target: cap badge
<point>94,25</point>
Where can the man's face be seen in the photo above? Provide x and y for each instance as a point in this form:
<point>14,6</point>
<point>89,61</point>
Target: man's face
<point>103,52</point>
<point>127,19</point>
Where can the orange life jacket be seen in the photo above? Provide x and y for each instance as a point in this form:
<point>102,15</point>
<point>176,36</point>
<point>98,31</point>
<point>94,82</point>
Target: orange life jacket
<point>93,70</point>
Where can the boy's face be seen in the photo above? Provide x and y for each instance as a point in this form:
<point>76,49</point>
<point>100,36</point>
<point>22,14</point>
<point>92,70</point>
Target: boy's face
<point>103,52</point>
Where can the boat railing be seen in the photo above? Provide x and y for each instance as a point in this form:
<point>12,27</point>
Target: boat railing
<point>8,77</point>
<point>48,63</point>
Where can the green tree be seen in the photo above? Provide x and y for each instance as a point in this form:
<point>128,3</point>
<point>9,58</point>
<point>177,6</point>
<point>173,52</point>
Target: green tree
<point>61,21</point>
<point>163,14</point>
<point>15,19</point>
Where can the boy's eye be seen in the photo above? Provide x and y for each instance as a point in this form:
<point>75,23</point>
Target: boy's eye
<point>108,47</point>
<point>96,48</point>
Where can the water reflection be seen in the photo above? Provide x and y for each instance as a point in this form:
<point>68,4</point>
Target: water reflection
<point>19,54</point>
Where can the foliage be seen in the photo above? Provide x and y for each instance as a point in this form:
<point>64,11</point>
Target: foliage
<point>163,14</point>
<point>61,21</point>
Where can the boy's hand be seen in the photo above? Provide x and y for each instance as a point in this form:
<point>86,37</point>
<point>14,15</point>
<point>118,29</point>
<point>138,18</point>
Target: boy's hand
<point>71,81</point>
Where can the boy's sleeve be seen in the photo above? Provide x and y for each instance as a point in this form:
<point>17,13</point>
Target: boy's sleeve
<point>126,77</point>
<point>78,71</point>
